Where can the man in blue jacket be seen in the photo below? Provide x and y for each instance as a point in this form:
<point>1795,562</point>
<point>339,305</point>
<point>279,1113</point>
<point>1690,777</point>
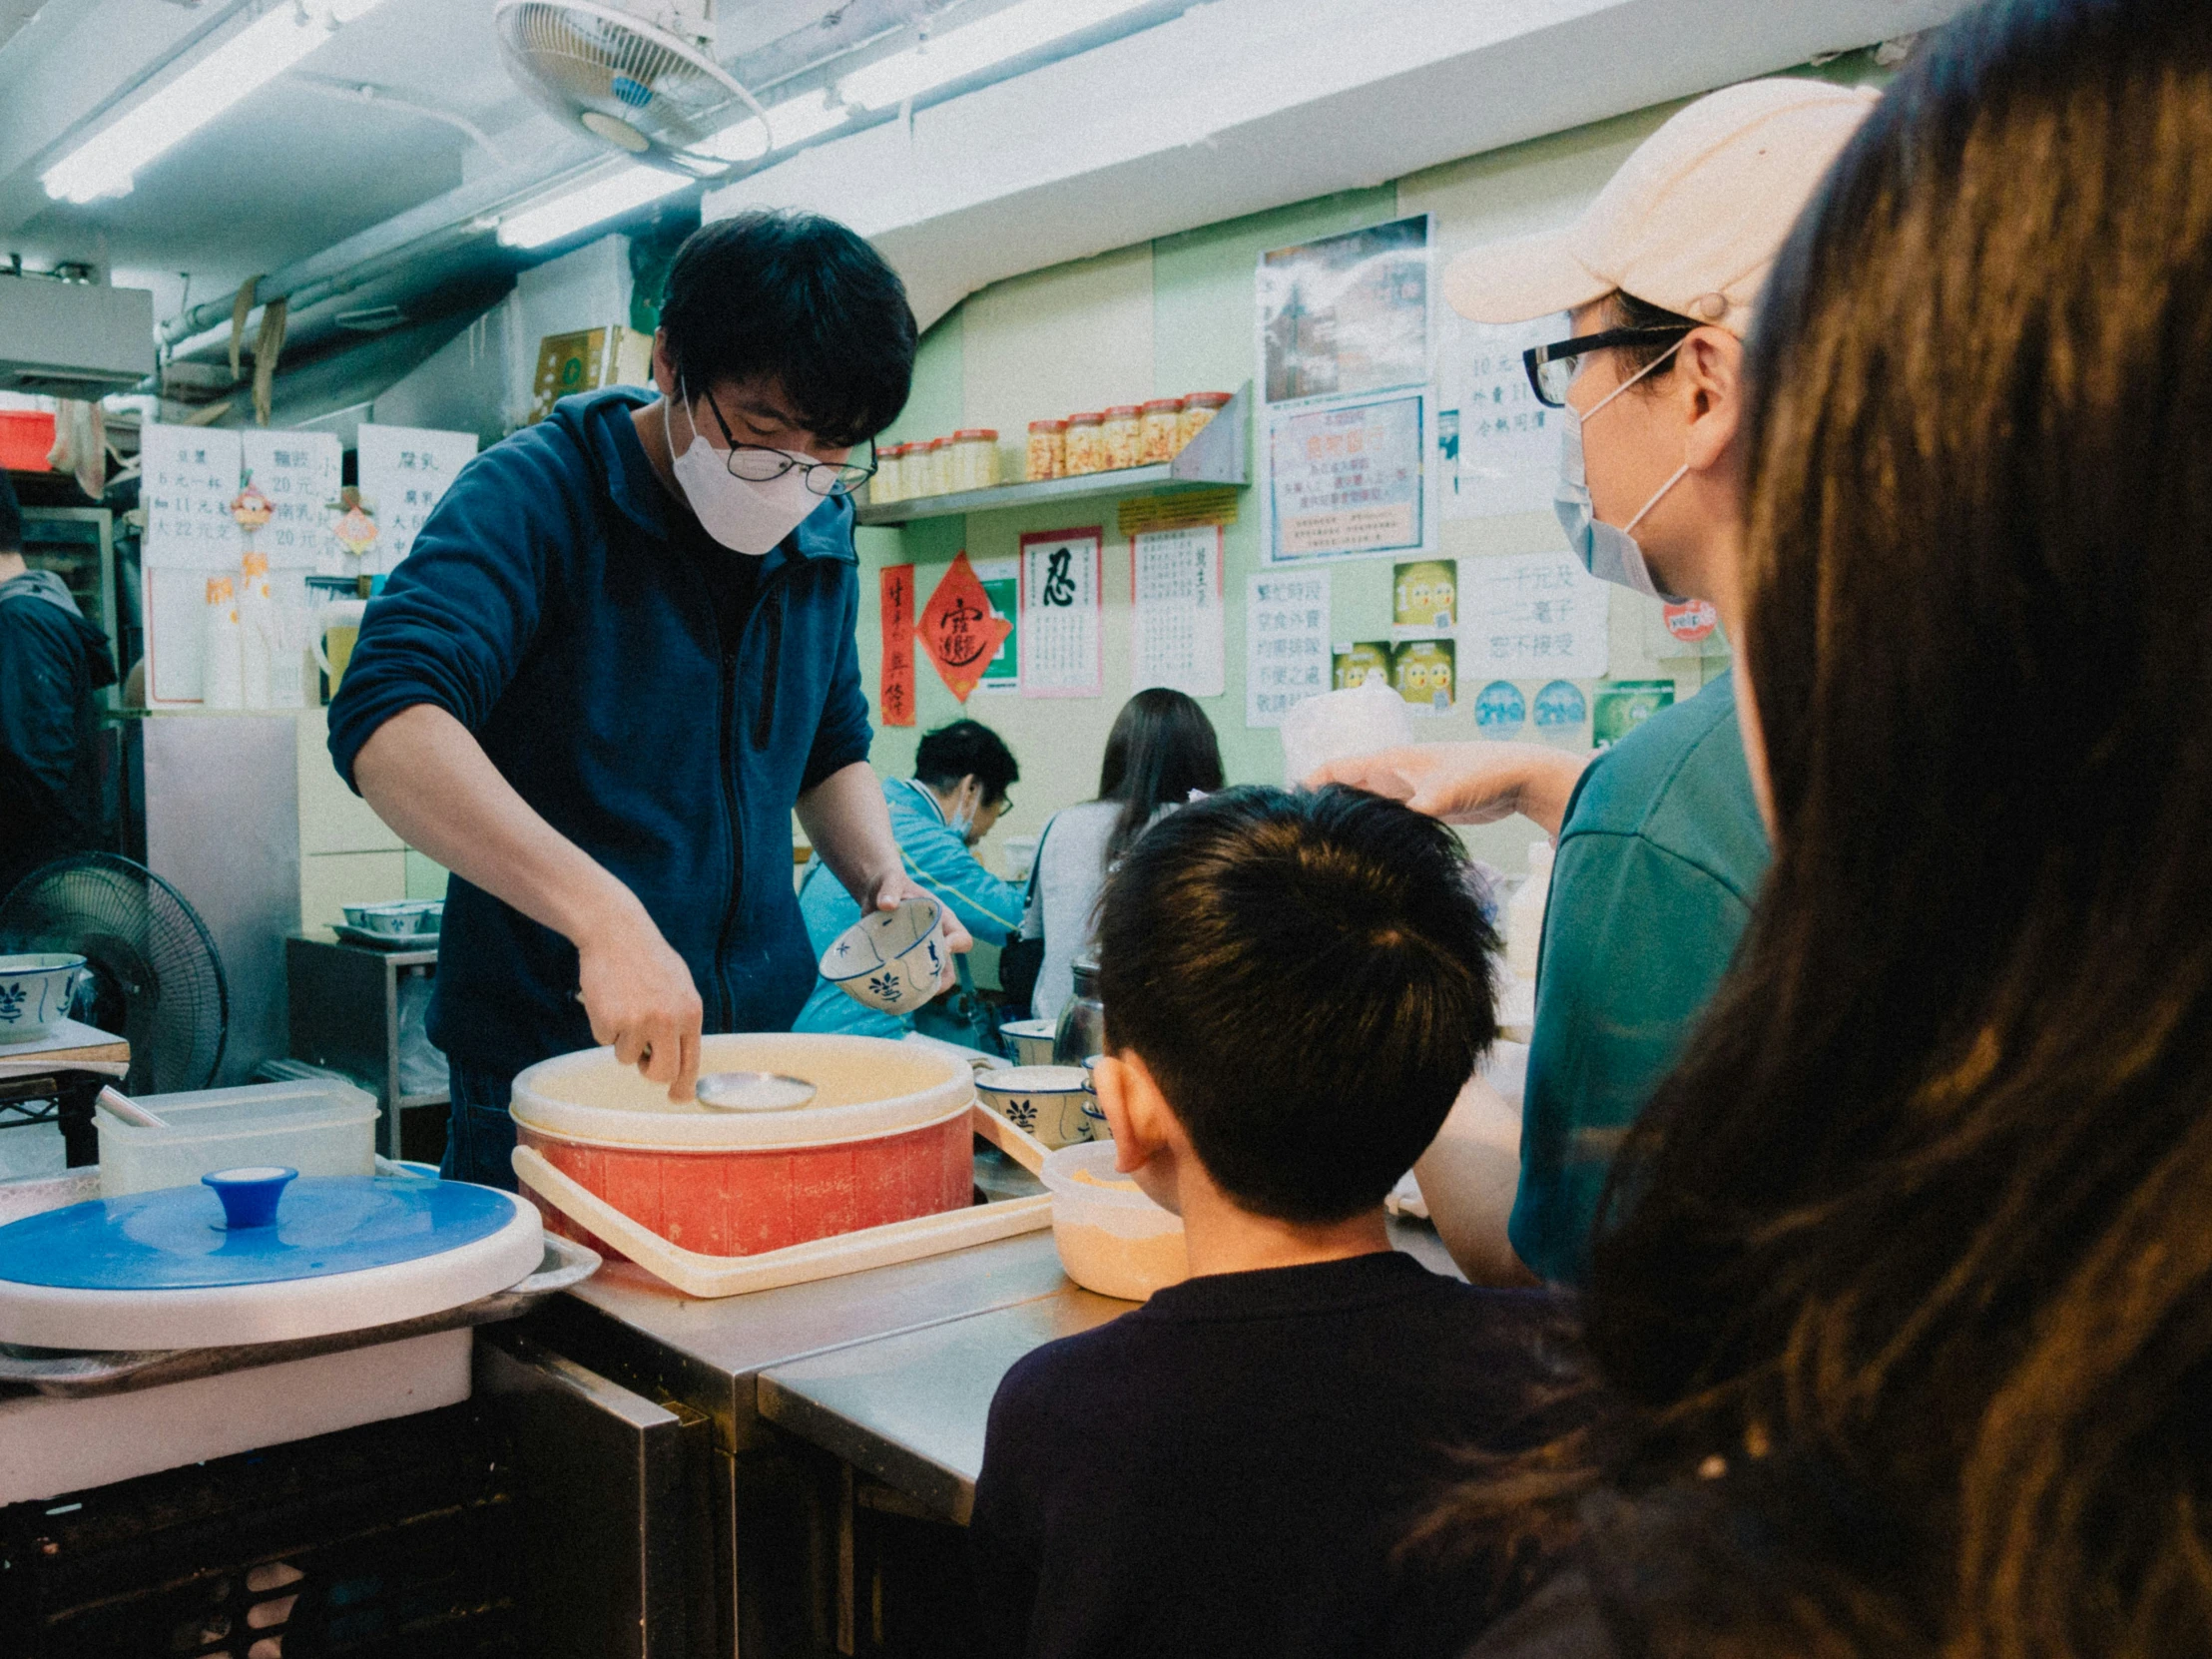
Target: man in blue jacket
<point>620,654</point>
<point>961,775</point>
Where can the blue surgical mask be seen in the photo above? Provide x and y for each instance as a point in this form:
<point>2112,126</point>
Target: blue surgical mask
<point>1608,552</point>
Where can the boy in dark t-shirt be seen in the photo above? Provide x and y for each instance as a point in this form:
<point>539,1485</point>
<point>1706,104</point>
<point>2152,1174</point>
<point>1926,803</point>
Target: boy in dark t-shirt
<point>1296,986</point>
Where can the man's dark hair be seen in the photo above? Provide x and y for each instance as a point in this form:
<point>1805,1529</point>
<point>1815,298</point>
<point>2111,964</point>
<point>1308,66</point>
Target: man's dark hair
<point>1307,976</point>
<point>11,517</point>
<point>800,300</point>
<point>966,747</point>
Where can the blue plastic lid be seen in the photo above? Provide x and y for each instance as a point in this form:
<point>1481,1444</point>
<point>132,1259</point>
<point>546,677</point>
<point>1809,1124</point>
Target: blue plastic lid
<point>176,1238</point>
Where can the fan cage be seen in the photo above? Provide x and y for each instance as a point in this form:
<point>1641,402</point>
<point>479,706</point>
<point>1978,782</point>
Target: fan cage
<point>152,960</point>
<point>574,57</point>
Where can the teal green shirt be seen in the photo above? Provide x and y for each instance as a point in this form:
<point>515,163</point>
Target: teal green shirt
<point>1658,864</point>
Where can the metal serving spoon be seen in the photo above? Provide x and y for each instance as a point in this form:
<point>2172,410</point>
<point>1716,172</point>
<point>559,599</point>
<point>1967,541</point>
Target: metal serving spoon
<point>754,1091</point>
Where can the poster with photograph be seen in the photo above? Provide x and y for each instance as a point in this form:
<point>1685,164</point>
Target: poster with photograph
<point>1424,673</point>
<point>1346,357</point>
<point>1001,579</point>
<point>1175,583</point>
<point>1062,598</point>
<point>1501,442</point>
<point>1533,615</point>
<point>1287,655</point>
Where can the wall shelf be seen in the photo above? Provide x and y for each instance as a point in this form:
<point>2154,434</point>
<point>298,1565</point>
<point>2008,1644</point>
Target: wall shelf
<point>1215,457</point>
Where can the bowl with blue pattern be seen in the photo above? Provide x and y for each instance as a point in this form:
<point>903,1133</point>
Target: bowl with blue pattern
<point>892,960</point>
<point>36,993</point>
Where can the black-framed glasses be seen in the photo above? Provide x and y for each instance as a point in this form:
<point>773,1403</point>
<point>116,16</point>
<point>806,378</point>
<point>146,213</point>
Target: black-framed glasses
<point>757,463</point>
<point>1552,368</point>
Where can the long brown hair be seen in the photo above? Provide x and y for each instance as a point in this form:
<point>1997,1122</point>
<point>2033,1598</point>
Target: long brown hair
<point>1918,1235</point>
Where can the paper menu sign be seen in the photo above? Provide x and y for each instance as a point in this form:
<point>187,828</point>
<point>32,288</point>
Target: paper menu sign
<point>1062,601</point>
<point>189,475</point>
<point>1287,644</point>
<point>1505,456</point>
<point>404,470</point>
<point>299,473</point>
<point>1532,615</point>
<point>1175,578</point>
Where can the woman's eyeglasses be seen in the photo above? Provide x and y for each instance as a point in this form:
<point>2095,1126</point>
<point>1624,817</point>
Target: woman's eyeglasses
<point>1552,368</point>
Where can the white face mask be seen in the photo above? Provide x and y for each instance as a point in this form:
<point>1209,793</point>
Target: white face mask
<point>742,516</point>
<point>1610,554</point>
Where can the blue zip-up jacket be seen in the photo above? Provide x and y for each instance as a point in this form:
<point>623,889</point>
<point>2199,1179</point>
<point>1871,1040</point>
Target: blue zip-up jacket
<point>554,604</point>
<point>938,861</point>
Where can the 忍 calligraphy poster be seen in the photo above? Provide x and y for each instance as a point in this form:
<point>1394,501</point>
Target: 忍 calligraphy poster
<point>1062,596</point>
<point>897,698</point>
<point>1345,360</point>
<point>958,630</point>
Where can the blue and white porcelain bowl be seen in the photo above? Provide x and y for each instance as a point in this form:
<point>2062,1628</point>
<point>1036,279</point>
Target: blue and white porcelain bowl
<point>892,960</point>
<point>1047,1101</point>
<point>401,918</point>
<point>1031,1040</point>
<point>35,992</point>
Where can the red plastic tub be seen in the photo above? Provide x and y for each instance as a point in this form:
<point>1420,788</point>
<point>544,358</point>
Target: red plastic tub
<point>26,438</point>
<point>886,1138</point>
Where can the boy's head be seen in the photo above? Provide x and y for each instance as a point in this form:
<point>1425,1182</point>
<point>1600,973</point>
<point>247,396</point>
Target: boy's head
<point>1306,978</point>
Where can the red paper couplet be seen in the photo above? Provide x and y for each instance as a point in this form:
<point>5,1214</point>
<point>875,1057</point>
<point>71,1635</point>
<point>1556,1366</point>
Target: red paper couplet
<point>958,630</point>
<point>898,699</point>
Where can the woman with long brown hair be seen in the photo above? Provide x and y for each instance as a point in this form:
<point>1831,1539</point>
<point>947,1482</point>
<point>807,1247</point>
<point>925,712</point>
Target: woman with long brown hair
<point>1906,1296</point>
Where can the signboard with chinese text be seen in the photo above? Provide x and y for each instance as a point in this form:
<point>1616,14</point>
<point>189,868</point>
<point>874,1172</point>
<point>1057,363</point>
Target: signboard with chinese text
<point>958,630</point>
<point>1287,639</point>
<point>895,615</point>
<point>1345,360</point>
<point>1175,581</point>
<point>1503,448</point>
<point>403,471</point>
<point>1062,602</point>
<point>1531,615</point>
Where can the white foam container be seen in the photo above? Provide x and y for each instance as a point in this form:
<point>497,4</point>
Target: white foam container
<point>315,1126</point>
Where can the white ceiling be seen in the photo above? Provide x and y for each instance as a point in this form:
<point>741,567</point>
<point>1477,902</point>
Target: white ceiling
<point>1233,105</point>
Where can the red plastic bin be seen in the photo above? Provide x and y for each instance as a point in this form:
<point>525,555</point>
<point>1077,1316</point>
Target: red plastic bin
<point>26,438</point>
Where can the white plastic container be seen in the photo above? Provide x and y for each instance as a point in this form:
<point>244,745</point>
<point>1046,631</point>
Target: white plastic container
<point>221,648</point>
<point>1339,725</point>
<point>316,1127</point>
<point>257,633</point>
<point>1111,1238</point>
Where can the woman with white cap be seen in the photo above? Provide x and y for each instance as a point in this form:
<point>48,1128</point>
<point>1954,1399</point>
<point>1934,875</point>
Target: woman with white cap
<point>1660,845</point>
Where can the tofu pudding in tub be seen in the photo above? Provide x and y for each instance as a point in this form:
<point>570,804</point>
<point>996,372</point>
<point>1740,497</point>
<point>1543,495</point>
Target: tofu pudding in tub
<point>883,1137</point>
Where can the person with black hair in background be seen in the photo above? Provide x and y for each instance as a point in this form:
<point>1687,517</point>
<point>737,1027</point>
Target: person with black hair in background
<point>1911,1311</point>
<point>962,775</point>
<point>621,652</point>
<point>1161,749</point>
<point>1299,983</point>
<point>52,660</point>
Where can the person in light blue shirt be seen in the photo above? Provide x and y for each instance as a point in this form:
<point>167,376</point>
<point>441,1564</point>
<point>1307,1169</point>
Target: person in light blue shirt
<point>961,775</point>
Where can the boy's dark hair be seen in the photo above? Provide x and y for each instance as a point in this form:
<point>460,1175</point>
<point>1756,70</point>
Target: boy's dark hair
<point>799,299</point>
<point>1307,976</point>
<point>11,517</point>
<point>952,753</point>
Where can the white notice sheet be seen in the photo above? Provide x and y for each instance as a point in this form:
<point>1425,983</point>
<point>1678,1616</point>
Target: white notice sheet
<point>1175,578</point>
<point>1287,658</point>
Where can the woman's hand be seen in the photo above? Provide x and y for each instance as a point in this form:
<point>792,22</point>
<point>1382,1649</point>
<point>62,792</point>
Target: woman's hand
<point>641,998</point>
<point>1468,782</point>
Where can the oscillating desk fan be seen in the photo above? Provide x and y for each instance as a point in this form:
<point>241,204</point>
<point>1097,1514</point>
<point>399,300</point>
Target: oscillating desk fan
<point>153,976</point>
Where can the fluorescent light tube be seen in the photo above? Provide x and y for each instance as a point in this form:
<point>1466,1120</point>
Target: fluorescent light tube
<point>789,123</point>
<point>108,162</point>
<point>608,198</point>
<point>958,53</point>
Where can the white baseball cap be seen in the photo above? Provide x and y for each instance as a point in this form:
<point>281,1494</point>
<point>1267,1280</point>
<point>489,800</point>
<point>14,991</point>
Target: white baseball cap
<point>1693,220</point>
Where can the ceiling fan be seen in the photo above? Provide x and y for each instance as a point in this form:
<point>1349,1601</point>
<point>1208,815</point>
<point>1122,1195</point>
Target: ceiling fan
<point>641,78</point>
